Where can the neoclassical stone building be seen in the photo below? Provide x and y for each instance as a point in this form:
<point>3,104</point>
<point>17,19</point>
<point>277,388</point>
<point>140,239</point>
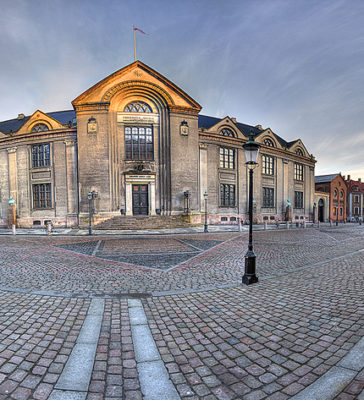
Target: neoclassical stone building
<point>140,142</point>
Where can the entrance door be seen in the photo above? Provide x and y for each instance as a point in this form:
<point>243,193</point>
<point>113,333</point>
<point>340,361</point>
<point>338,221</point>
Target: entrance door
<point>140,199</point>
<point>321,210</point>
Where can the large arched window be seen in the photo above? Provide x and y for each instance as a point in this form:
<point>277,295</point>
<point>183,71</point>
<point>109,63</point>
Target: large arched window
<point>299,152</point>
<point>139,107</point>
<point>227,132</point>
<point>268,142</point>
<point>40,128</point>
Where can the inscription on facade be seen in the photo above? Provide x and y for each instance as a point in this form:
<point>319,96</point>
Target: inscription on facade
<point>137,119</point>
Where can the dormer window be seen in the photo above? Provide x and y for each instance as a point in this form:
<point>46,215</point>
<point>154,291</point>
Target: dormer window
<point>227,132</point>
<point>40,128</point>
<point>268,142</point>
<point>138,107</point>
<point>299,152</point>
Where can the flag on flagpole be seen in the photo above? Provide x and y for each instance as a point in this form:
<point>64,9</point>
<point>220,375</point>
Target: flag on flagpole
<point>137,29</point>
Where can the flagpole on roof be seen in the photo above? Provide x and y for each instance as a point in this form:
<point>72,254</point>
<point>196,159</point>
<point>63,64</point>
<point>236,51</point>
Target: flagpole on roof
<point>136,29</point>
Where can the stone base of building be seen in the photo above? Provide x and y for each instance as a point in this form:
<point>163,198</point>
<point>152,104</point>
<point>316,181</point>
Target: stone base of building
<point>36,222</point>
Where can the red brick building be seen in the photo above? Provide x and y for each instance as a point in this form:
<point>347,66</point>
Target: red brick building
<point>355,199</point>
<point>335,185</point>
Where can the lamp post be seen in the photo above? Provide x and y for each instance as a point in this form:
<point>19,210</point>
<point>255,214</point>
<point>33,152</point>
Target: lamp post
<point>337,213</point>
<point>91,195</point>
<point>205,228</point>
<point>251,154</point>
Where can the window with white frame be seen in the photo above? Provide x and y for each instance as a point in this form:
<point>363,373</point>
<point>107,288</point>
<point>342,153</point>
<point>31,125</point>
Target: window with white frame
<point>298,172</point>
<point>267,165</point>
<point>227,158</point>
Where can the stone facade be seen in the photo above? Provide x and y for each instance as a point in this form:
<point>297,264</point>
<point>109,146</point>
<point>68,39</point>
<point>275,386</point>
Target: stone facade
<point>140,142</point>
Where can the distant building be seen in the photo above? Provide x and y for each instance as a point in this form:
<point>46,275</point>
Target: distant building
<point>355,198</point>
<point>335,186</point>
<point>140,142</point>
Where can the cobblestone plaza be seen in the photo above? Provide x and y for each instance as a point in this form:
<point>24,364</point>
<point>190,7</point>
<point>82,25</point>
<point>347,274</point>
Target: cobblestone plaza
<point>298,333</point>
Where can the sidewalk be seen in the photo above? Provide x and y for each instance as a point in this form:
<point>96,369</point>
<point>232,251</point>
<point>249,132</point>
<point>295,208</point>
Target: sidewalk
<point>191,230</point>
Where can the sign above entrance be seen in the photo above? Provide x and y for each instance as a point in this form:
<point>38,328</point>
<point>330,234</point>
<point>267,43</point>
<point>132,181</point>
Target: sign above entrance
<point>128,118</point>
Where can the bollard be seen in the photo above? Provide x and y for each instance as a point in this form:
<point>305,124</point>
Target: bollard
<point>265,225</point>
<point>49,228</point>
<point>13,229</point>
<point>330,223</point>
<point>304,224</point>
<point>287,225</point>
<point>239,224</point>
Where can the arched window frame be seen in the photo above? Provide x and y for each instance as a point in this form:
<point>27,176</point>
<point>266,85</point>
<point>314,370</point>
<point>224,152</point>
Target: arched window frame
<point>299,152</point>
<point>138,107</point>
<point>227,132</point>
<point>268,142</point>
<point>40,125</point>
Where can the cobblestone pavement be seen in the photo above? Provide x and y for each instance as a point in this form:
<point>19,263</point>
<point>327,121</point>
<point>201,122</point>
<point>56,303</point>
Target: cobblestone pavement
<point>216,338</point>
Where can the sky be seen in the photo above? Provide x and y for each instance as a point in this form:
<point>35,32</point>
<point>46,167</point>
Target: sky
<point>296,66</point>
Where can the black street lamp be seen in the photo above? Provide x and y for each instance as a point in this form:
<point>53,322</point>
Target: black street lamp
<point>205,228</point>
<point>251,154</point>
<point>337,213</point>
<point>91,195</point>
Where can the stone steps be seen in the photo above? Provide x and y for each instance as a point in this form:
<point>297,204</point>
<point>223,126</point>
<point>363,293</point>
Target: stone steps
<point>143,222</point>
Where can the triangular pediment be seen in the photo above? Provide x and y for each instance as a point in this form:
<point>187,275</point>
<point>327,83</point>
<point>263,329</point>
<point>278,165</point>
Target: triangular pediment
<point>298,145</point>
<point>140,77</point>
<point>268,135</point>
<point>39,117</point>
<point>225,123</point>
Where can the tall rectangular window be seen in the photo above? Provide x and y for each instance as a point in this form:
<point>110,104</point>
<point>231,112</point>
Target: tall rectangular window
<point>356,210</point>
<point>42,196</point>
<point>268,197</point>
<point>41,155</point>
<point>298,199</point>
<point>268,165</point>
<point>138,143</point>
<point>356,199</point>
<point>227,158</point>
<point>227,195</point>
<point>298,172</point>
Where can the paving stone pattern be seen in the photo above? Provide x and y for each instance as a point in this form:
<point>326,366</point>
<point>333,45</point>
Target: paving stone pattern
<point>217,339</point>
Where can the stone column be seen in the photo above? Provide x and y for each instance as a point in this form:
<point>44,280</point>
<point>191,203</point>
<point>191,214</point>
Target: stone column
<point>128,199</point>
<point>152,198</point>
<point>13,172</point>
<point>71,179</point>
<point>203,174</point>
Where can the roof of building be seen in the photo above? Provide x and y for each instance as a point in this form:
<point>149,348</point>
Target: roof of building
<point>13,125</point>
<point>204,121</point>
<point>355,184</point>
<point>325,178</point>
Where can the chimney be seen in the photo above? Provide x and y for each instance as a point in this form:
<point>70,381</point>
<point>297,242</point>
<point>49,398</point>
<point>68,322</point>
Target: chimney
<point>21,116</point>
<point>344,177</point>
<point>233,119</point>
<point>359,180</point>
<point>348,177</point>
<point>259,127</point>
